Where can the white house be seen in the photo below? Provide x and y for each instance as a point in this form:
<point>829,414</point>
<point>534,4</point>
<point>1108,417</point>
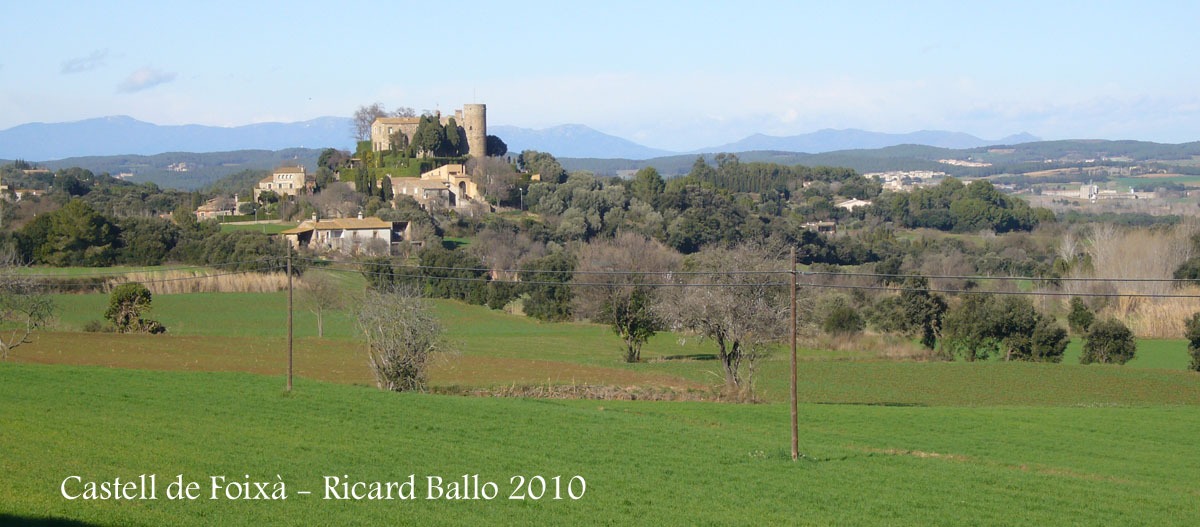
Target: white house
<point>352,236</point>
<point>854,203</point>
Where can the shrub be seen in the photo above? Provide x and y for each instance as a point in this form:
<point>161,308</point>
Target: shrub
<point>402,336</point>
<point>1080,318</point>
<point>1048,342</point>
<point>1192,333</point>
<point>97,326</point>
<point>842,320</point>
<point>1108,342</point>
<point>126,305</point>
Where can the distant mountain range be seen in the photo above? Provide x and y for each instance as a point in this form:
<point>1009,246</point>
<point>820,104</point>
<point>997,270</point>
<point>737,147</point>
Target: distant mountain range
<point>573,140</point>
<point>121,135</point>
<point>829,140</point>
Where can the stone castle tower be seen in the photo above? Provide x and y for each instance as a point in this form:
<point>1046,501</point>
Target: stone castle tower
<point>474,122</point>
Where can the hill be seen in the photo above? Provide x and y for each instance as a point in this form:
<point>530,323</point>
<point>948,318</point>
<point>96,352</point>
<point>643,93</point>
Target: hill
<point>829,140</point>
<point>997,159</point>
<point>187,170</point>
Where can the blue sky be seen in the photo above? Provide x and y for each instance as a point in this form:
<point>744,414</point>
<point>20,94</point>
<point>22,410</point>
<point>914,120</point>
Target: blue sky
<point>673,75</point>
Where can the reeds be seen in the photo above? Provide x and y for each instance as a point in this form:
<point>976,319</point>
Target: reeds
<point>202,281</point>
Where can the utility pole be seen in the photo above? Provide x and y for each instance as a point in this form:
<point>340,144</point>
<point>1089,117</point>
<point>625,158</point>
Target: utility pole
<point>795,419</point>
<point>288,247</point>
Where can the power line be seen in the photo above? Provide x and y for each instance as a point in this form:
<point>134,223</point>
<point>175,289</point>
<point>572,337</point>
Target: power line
<point>1002,278</point>
<point>517,271</point>
<point>746,273</point>
<point>484,279</point>
<point>999,292</point>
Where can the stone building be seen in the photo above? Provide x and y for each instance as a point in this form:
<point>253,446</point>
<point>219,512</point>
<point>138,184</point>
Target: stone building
<point>287,181</point>
<point>350,236</point>
<point>383,128</point>
<point>472,118</point>
<point>445,186</point>
<point>217,207</point>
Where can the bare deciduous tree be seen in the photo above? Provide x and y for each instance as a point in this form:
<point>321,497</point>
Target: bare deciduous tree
<point>494,175</point>
<point>338,200</point>
<point>402,337</point>
<point>742,307</point>
<point>364,116</point>
<point>24,308</point>
<point>1139,253</point>
<point>321,294</point>
<point>624,301</point>
<point>502,249</point>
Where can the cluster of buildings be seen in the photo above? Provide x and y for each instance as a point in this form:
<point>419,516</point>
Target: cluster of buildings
<point>447,186</point>
<point>905,180</point>
<point>962,163</point>
<point>1094,193</point>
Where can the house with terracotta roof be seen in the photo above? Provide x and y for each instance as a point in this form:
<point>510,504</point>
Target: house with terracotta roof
<point>350,236</point>
<point>216,207</point>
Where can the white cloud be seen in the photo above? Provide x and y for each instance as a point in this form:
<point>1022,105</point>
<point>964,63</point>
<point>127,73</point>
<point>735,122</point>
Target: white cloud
<point>82,64</point>
<point>144,79</point>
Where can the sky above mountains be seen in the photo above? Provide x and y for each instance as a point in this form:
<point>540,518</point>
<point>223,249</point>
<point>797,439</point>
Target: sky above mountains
<point>670,75</point>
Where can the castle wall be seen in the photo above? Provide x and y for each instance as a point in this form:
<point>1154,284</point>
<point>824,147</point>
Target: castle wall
<point>383,127</point>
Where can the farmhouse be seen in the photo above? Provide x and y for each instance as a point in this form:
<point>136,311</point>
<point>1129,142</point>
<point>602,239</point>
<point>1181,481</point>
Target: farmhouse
<point>216,207</point>
<point>351,236</point>
<point>287,181</point>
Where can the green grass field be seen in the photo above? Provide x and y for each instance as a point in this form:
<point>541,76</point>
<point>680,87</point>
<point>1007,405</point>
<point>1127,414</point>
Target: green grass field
<point>887,442</point>
<point>247,332</point>
<point>644,463</point>
<point>269,228</point>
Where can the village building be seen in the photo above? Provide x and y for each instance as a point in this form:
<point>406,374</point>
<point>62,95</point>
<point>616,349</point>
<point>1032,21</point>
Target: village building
<point>350,236</point>
<point>18,194</point>
<point>287,181</point>
<point>217,207</point>
<point>823,227</point>
<point>447,186</point>
<point>854,203</point>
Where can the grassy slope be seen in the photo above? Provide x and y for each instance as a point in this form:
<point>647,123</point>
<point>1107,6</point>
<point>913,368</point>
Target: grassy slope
<point>246,332</point>
<point>645,463</point>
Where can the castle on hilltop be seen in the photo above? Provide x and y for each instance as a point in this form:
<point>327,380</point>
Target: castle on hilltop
<point>472,118</point>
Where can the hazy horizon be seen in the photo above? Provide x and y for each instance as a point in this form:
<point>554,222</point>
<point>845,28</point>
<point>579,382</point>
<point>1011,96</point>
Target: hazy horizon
<point>671,76</point>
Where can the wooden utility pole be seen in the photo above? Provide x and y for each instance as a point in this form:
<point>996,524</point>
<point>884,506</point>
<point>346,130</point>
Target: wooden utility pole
<point>795,418</point>
<point>289,276</point>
